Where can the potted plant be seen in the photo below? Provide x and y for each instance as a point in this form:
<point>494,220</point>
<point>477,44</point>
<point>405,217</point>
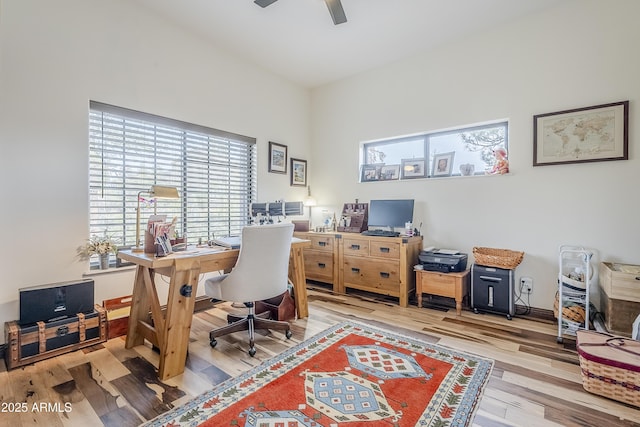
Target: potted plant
<point>101,246</point>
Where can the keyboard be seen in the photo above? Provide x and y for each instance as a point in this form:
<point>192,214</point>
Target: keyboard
<point>380,233</point>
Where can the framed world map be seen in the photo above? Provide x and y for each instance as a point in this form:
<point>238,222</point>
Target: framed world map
<point>590,134</point>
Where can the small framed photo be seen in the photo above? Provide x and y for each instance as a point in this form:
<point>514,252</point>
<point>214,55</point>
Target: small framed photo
<point>590,134</point>
<point>277,158</point>
<point>389,172</point>
<point>370,173</point>
<point>413,168</point>
<point>298,172</point>
<point>442,164</point>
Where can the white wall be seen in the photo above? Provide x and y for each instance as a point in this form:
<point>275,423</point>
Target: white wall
<point>580,54</point>
<point>55,57</point>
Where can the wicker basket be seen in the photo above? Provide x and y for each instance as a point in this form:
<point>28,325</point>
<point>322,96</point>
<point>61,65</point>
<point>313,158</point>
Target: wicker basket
<point>575,313</point>
<point>610,366</point>
<point>499,258</point>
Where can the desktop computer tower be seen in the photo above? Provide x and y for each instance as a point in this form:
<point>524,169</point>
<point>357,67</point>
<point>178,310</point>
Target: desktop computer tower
<point>492,290</point>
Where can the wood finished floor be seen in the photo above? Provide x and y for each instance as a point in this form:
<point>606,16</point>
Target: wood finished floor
<point>535,381</point>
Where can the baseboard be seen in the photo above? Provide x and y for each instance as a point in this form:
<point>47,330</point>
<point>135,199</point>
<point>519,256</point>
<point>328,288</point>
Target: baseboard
<point>535,313</point>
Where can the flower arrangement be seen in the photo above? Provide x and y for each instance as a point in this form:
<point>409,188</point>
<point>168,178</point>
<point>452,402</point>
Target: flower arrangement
<point>98,245</point>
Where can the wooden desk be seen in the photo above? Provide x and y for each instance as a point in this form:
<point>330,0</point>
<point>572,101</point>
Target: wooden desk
<point>169,331</point>
<point>451,285</point>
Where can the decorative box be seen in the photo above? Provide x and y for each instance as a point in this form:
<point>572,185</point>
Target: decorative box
<point>619,296</point>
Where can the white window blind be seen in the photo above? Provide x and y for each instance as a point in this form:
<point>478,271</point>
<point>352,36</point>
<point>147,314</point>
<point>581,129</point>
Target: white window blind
<point>214,171</point>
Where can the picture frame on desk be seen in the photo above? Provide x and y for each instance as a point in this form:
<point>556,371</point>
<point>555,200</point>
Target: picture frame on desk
<point>370,172</point>
<point>413,168</point>
<point>390,173</point>
<point>442,164</point>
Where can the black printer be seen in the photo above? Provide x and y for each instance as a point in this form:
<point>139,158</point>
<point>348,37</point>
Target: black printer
<point>443,260</point>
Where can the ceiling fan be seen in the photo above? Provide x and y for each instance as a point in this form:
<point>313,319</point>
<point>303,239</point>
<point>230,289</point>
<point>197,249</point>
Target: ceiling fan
<point>335,9</point>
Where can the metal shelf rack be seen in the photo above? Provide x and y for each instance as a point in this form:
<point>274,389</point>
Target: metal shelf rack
<point>573,291</point>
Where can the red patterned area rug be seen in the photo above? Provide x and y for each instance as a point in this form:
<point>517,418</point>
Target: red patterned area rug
<point>349,375</point>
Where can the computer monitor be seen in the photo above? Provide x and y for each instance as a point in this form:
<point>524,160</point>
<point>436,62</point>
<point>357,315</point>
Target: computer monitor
<point>293,208</point>
<point>276,208</point>
<point>258,208</point>
<point>390,213</point>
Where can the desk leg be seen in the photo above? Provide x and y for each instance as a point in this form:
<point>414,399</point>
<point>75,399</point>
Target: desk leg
<point>140,307</point>
<point>298,278</point>
<point>177,325</point>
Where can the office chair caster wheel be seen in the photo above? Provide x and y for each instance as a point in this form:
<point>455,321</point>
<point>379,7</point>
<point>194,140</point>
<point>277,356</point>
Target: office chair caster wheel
<point>213,343</point>
<point>252,351</point>
<point>288,334</point>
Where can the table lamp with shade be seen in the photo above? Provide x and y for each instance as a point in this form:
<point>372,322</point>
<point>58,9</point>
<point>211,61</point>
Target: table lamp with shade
<point>309,202</point>
<point>155,192</point>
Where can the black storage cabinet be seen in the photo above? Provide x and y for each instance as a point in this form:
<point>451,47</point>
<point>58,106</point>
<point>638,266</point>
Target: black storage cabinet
<point>492,290</point>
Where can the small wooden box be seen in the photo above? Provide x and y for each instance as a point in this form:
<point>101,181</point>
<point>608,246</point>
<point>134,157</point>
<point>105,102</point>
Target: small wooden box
<point>118,310</point>
<point>36,342</point>
<point>619,296</point>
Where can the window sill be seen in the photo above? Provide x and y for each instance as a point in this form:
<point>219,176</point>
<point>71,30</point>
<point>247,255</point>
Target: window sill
<point>110,270</point>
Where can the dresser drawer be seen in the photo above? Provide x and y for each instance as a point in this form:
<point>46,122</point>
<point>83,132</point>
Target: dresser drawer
<point>357,247</point>
<point>370,274</point>
<point>318,265</point>
<point>322,243</point>
<point>384,249</point>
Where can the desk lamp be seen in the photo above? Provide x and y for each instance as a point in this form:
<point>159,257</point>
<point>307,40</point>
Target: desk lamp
<point>310,202</point>
<point>155,192</point>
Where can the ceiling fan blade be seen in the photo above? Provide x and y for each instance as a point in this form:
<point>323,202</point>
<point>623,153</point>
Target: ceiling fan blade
<point>336,11</point>
<point>264,3</point>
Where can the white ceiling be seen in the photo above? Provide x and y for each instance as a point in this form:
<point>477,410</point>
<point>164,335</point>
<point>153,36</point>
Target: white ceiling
<point>298,40</point>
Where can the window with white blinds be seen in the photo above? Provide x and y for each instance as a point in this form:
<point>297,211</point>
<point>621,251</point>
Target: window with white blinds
<point>214,171</point>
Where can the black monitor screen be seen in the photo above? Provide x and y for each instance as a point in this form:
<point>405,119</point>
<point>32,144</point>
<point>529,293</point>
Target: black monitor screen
<point>276,209</point>
<point>258,208</point>
<point>390,213</point>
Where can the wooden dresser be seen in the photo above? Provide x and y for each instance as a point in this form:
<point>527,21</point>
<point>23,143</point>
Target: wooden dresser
<point>321,259</point>
<point>382,265</point>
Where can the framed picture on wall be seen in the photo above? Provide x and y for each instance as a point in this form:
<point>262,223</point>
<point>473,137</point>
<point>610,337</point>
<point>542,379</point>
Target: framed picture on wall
<point>442,164</point>
<point>277,158</point>
<point>413,168</point>
<point>591,134</point>
<point>298,172</point>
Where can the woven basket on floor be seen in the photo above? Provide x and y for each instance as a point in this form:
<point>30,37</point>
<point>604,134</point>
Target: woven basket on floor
<point>499,258</point>
<point>610,366</point>
<point>575,313</point>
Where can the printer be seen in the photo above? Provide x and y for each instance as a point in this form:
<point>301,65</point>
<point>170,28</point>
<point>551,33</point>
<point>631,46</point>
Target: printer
<point>443,260</point>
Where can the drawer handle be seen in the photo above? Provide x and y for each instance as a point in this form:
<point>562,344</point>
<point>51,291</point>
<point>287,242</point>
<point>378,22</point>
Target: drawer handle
<point>322,265</point>
<point>384,250</point>
<point>384,274</point>
<point>355,270</point>
<point>355,247</point>
<point>322,243</point>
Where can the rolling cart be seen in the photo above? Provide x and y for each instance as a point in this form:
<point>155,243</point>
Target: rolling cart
<point>574,281</point>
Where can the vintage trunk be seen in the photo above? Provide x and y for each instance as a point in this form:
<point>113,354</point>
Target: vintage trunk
<point>32,343</point>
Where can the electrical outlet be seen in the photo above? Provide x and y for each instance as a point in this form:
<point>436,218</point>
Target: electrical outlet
<point>526,285</point>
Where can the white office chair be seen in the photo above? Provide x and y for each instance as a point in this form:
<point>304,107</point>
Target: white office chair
<point>261,272</point>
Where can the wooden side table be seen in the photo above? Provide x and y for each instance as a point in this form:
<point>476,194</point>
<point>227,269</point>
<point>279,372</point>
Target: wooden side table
<point>450,285</point>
